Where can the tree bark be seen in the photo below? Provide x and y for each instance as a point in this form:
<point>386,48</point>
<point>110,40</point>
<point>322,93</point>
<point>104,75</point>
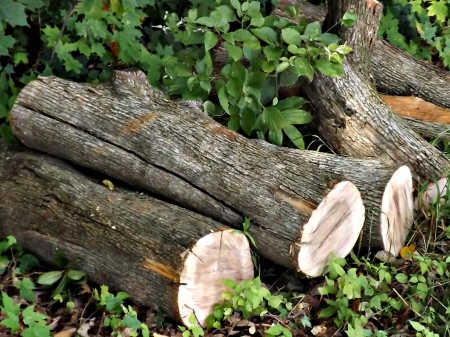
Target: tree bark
<point>159,253</point>
<point>351,116</point>
<point>87,123</point>
<point>395,72</point>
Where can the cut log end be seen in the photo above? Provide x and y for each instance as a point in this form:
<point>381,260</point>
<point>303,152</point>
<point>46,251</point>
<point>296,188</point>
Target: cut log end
<point>216,256</point>
<point>333,227</point>
<point>397,209</point>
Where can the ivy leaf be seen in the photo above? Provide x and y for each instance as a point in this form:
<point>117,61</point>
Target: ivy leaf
<point>440,9</point>
<point>291,36</point>
<point>6,42</point>
<point>13,13</point>
<point>329,68</point>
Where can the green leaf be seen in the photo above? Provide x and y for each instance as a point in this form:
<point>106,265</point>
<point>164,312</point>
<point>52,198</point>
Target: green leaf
<point>282,67</point>
<point>6,42</point>
<point>438,9</point>
<point>291,103</point>
<point>234,123</point>
<point>36,330</point>
<point>276,137</point>
<point>206,21</point>
<point>75,275</point>
<point>4,262</point>
<point>272,53</point>
<point>327,312</point>
<point>329,68</point>
<point>29,315</point>
<point>402,278</point>
<point>302,67</point>
<point>312,31</point>
<point>344,49</point>
<point>287,332</point>
<point>229,283</point>
<point>210,40</point>
<point>223,99</point>
<point>234,51</point>
<point>417,326</point>
<point>273,118</point>
<point>295,136</point>
<point>275,329</point>
<point>291,36</point>
<point>12,323</point>
<point>13,13</point>
<point>328,38</point>
<point>50,277</point>
<point>349,19</point>
<point>26,286</point>
<point>266,34</point>
<point>296,116</point>
<point>234,87</point>
<point>248,120</point>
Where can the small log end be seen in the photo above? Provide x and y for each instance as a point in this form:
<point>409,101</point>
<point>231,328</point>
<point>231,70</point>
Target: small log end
<point>397,209</point>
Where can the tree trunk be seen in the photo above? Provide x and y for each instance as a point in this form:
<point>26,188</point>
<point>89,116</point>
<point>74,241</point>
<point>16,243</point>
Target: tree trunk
<point>350,114</point>
<point>87,124</point>
<point>159,253</point>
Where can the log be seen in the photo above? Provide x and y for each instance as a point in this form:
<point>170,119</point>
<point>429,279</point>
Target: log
<point>351,117</point>
<point>86,124</point>
<point>159,253</point>
<point>395,72</point>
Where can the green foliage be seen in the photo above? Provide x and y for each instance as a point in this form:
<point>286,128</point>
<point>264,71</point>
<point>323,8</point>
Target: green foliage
<point>178,47</point>
<point>370,287</point>
<point>119,316</point>
<point>419,27</point>
<point>193,328</point>
<point>250,297</point>
<point>66,278</point>
<point>35,322</point>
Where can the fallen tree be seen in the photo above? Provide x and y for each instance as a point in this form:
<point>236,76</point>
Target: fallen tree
<point>254,178</point>
<point>161,254</point>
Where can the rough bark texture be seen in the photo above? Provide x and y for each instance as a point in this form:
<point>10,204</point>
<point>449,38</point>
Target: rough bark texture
<point>394,71</point>
<point>124,239</point>
<point>350,114</point>
<point>78,121</point>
